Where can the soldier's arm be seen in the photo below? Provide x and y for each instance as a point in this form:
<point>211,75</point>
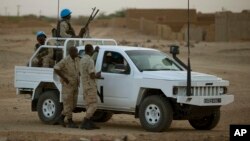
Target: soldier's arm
<point>57,68</point>
<point>58,72</point>
<point>91,71</point>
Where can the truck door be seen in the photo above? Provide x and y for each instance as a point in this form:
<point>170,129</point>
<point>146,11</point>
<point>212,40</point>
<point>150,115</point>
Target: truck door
<point>116,84</point>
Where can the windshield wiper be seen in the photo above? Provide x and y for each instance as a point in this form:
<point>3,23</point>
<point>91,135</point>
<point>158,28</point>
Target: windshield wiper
<point>169,69</point>
<point>157,70</point>
<point>149,70</point>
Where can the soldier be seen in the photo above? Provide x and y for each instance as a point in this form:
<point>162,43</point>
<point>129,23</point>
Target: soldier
<point>68,70</point>
<point>88,76</point>
<point>41,38</point>
<point>96,51</point>
<point>38,60</point>
<point>65,30</point>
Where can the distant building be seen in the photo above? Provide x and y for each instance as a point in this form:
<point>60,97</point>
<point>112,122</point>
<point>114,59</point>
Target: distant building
<point>232,26</point>
<point>171,24</point>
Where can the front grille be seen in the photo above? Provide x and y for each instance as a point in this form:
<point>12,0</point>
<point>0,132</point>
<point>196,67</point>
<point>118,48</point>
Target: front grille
<point>206,91</point>
<point>202,91</point>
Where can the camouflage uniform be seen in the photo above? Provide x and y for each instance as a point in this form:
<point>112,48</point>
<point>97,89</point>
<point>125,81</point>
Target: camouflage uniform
<point>66,31</point>
<point>89,85</point>
<point>48,60</point>
<point>70,69</point>
<point>37,60</point>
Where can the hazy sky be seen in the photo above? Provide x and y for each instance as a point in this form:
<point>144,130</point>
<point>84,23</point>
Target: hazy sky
<point>83,7</point>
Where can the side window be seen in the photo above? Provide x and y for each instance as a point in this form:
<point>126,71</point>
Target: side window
<point>114,62</point>
<point>81,53</point>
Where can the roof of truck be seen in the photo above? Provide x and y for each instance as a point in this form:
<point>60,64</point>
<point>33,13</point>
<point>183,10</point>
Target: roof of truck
<point>120,48</point>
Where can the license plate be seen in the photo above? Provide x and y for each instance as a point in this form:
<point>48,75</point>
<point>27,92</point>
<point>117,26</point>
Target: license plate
<point>212,100</point>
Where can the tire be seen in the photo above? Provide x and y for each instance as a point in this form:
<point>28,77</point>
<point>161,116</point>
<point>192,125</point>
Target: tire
<point>101,116</point>
<point>207,122</point>
<point>48,107</point>
<point>155,113</point>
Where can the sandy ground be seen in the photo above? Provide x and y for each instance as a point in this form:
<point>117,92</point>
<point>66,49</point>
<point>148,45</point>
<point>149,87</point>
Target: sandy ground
<point>230,61</point>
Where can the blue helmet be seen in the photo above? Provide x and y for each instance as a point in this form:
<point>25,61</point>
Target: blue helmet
<point>40,33</point>
<point>65,12</point>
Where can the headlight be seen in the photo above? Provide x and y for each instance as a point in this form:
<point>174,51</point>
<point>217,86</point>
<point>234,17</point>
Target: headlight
<point>223,90</point>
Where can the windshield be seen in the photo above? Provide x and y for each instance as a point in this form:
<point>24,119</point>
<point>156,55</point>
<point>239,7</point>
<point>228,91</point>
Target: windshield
<point>150,60</point>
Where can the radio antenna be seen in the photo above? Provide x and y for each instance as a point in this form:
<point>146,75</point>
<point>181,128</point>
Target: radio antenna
<point>189,65</point>
<point>58,6</point>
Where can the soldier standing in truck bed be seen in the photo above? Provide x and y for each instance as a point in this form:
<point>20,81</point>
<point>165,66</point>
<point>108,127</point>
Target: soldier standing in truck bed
<point>38,60</point>
<point>68,70</point>
<point>65,30</point>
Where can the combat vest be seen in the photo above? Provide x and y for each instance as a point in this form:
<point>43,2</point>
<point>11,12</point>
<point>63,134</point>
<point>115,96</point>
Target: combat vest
<point>56,31</point>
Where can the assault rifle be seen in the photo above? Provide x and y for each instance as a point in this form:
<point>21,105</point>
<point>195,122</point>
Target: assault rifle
<point>85,30</point>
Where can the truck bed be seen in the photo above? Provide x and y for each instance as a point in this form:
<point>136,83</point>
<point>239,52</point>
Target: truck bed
<point>28,78</point>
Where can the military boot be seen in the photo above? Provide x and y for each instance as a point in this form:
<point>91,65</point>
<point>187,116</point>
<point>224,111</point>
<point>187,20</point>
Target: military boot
<point>71,124</point>
<point>88,124</point>
<point>93,124</point>
<point>60,120</point>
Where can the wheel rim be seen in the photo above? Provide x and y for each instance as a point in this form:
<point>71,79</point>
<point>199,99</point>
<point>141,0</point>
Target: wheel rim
<point>152,114</point>
<point>49,108</point>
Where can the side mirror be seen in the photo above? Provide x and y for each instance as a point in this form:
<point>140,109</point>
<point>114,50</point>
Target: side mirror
<point>174,49</point>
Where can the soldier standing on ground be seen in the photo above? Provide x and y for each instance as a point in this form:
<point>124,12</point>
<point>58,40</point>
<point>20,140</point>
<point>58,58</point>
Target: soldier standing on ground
<point>68,70</point>
<point>88,76</point>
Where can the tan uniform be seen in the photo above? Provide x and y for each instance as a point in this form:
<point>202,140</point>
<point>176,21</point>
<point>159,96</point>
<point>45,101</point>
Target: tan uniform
<point>94,56</point>
<point>70,69</point>
<point>89,85</point>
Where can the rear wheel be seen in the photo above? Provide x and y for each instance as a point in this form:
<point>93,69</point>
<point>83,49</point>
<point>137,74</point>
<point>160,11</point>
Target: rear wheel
<point>49,107</point>
<point>155,113</point>
<point>101,116</point>
<point>206,122</point>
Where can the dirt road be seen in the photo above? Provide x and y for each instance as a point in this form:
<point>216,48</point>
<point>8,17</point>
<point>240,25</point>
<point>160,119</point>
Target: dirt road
<point>230,61</point>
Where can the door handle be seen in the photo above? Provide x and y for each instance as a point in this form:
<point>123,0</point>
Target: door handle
<point>102,78</point>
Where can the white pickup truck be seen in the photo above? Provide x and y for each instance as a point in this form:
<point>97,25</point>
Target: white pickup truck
<point>146,83</point>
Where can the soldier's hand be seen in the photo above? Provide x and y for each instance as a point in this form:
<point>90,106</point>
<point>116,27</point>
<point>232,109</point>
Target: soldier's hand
<point>98,74</point>
<point>82,32</point>
<point>66,80</point>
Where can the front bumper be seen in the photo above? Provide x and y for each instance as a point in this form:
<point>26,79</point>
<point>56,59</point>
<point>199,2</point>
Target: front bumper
<point>206,100</point>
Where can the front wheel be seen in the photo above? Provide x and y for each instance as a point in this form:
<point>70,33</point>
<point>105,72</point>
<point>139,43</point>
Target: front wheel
<point>206,122</point>
<point>155,113</point>
<point>49,107</point>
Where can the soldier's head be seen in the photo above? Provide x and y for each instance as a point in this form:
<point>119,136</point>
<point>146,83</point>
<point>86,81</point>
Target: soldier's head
<point>73,52</point>
<point>89,49</point>
<point>65,14</point>
<point>41,37</point>
<point>97,48</point>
